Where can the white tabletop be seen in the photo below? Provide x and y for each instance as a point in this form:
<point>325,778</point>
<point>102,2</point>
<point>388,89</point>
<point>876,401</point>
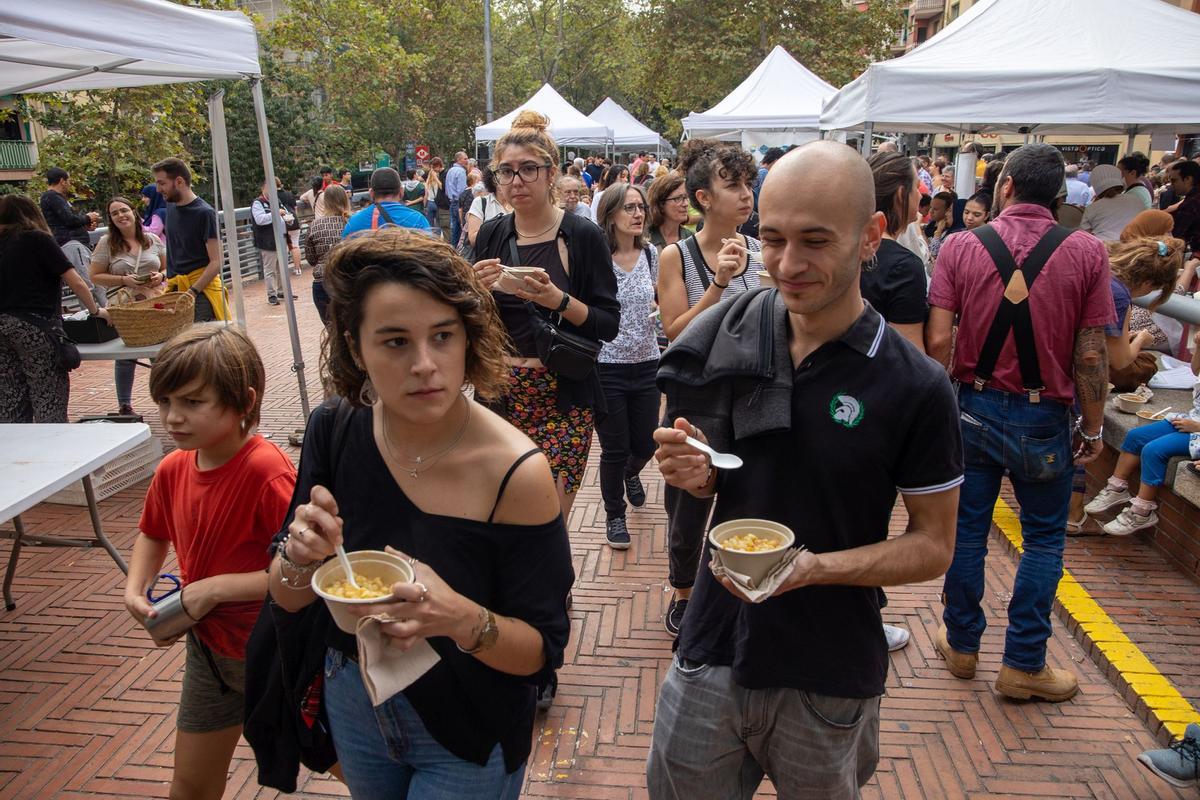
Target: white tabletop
<point>116,350</point>
<point>38,460</point>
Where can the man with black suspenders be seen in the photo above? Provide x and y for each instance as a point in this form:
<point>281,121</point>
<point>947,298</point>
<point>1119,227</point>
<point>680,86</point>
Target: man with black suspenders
<point>1032,300</point>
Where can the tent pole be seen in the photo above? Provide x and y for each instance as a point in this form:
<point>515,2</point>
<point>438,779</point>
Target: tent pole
<point>281,251</point>
<point>868,132</point>
<point>1129,140</point>
<point>220,143</point>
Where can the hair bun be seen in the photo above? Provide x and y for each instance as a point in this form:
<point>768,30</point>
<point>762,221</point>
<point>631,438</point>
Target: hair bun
<point>532,120</point>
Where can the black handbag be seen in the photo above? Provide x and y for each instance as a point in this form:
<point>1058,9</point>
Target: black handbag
<point>566,354</point>
<point>65,352</point>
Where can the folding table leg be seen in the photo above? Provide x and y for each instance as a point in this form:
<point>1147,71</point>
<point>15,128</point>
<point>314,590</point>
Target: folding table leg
<point>90,494</point>
<point>9,605</point>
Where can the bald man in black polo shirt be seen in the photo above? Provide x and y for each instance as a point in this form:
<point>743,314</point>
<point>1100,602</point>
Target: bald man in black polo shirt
<point>833,413</point>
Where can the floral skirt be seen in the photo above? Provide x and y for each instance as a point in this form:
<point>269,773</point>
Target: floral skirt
<point>531,405</point>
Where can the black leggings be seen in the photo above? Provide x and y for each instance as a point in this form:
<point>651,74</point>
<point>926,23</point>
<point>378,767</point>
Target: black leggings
<point>627,429</point>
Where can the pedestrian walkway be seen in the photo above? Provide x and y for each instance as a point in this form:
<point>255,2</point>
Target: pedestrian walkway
<point>87,703</point>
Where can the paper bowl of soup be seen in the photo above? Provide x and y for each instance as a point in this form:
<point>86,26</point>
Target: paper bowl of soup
<point>512,278</point>
<point>1130,403</point>
<point>751,547</point>
<point>374,570</point>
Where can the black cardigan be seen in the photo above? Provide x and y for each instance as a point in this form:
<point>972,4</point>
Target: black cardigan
<point>592,282</point>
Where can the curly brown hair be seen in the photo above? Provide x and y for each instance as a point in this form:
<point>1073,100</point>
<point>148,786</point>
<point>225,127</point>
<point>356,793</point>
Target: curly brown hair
<point>394,255</point>
<point>705,160</point>
<point>1142,261</point>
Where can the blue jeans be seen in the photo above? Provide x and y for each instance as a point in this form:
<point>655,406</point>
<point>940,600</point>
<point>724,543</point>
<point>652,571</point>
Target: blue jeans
<point>455,225</point>
<point>1156,444</point>
<point>123,371</point>
<point>386,753</point>
<point>1032,441</point>
<point>321,300</point>
<point>431,214</point>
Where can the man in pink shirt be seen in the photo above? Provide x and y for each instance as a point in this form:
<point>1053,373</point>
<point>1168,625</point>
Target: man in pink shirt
<point>1032,300</point>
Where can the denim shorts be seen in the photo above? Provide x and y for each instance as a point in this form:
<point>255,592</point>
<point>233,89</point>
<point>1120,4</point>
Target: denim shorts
<point>386,753</point>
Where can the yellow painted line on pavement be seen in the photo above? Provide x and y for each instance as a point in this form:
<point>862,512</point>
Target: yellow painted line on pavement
<point>1158,693</point>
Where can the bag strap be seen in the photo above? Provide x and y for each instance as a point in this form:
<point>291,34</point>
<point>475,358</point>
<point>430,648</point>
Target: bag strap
<point>1015,315</point>
<point>380,211</point>
<point>507,476</point>
<point>697,260</point>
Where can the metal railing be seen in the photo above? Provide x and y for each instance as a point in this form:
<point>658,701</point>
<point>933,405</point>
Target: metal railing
<point>920,9</point>
<point>16,154</point>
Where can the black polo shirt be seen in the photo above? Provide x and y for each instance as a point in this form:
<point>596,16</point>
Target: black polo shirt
<point>871,416</point>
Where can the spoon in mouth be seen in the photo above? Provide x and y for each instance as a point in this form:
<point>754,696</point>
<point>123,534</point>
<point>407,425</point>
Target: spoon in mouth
<point>719,460</point>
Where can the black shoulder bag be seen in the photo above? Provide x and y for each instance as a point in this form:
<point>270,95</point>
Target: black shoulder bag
<point>66,354</point>
<point>566,354</point>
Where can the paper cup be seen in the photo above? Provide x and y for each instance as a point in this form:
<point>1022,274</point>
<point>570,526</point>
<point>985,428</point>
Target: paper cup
<point>388,567</point>
<point>765,279</point>
<point>753,565</point>
<point>511,278</point>
<point>1130,403</point>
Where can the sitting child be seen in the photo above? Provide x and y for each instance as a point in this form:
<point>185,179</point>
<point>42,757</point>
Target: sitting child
<point>1151,446</point>
<point>217,500</point>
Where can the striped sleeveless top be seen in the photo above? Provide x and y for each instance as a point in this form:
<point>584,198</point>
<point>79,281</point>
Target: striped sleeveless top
<point>697,275</point>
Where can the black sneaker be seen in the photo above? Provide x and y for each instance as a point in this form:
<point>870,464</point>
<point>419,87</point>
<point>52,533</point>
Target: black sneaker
<point>635,491</point>
<point>674,618</point>
<point>617,533</point>
<point>273,300</point>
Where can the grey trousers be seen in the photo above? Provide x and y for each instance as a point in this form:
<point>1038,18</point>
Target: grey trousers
<point>715,739</point>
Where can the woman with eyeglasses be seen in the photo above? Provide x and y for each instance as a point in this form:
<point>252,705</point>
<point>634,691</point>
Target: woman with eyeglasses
<point>696,273</point>
<point>629,363</point>
<point>574,288</point>
<point>668,200</point>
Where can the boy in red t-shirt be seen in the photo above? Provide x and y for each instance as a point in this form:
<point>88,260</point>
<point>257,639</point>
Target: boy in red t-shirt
<point>218,500</point>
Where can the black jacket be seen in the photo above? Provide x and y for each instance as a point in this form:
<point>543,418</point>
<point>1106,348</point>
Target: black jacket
<point>65,223</point>
<point>592,282</point>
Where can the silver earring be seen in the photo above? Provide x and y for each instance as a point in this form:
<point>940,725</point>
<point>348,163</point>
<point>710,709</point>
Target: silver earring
<point>868,266</point>
<point>366,393</point>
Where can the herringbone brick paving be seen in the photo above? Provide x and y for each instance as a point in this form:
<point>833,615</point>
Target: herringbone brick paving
<point>87,704</point>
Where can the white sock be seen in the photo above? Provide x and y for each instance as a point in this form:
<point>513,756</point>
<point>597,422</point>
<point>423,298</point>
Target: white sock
<point>1143,507</point>
<point>1117,484</point>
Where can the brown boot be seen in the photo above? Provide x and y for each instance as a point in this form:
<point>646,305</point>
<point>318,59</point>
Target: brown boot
<point>961,665</point>
<point>1054,685</point>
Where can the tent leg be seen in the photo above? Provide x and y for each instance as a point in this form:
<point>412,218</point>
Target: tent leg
<point>281,249</point>
<point>868,132</point>
<point>1129,141</point>
<point>220,143</point>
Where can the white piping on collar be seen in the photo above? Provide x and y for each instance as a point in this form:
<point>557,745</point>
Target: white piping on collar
<point>878,337</point>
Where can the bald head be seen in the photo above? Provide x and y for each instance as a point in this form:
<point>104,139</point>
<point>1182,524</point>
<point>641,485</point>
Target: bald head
<point>806,174</point>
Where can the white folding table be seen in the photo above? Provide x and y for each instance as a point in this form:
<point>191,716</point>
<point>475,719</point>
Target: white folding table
<point>117,350</point>
<point>37,460</point>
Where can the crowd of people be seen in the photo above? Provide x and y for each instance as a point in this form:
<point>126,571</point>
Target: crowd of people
<point>482,322</point>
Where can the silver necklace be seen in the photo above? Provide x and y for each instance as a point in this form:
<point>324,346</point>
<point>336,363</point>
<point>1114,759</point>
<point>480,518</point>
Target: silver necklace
<point>422,463</point>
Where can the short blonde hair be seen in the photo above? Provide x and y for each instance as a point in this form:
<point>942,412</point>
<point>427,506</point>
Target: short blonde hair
<point>218,356</point>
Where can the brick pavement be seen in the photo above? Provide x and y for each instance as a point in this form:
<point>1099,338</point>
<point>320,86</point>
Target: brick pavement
<point>87,705</point>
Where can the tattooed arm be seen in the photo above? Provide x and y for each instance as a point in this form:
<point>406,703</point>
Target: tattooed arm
<point>1091,386</point>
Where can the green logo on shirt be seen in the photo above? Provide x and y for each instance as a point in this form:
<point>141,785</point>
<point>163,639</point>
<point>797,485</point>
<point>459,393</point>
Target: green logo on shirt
<point>846,410</point>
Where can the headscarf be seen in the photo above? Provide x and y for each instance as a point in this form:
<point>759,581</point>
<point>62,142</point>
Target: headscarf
<point>1151,223</point>
<point>156,204</point>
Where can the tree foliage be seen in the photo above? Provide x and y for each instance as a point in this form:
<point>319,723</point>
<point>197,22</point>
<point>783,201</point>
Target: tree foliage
<point>345,79</point>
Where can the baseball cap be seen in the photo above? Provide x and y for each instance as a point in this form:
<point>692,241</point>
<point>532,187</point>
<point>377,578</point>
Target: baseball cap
<point>385,180</point>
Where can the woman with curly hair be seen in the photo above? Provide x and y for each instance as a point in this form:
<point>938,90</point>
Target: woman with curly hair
<point>719,180</point>
<point>454,488</point>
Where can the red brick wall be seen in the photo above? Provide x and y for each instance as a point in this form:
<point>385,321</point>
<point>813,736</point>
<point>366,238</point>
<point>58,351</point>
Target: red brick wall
<point>1178,531</point>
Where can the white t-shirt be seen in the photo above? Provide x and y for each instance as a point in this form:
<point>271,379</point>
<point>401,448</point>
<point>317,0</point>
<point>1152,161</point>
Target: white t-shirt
<point>584,211</point>
<point>486,207</point>
<point>1142,193</point>
<point>1107,217</point>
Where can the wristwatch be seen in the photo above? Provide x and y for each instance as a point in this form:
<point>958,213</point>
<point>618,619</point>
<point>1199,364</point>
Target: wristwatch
<point>487,637</point>
<point>196,291</point>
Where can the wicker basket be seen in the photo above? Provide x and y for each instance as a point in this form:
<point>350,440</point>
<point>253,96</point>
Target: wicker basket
<point>154,320</point>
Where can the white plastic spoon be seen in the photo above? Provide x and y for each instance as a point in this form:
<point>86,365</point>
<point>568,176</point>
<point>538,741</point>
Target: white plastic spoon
<point>344,560</point>
<point>719,460</point>
<point>1158,414</point>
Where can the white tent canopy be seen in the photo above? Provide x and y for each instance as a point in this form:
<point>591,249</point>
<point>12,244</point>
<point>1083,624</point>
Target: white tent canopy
<point>780,101</point>
<point>628,131</point>
<point>568,125</point>
<point>75,45</point>
<point>1068,66</point>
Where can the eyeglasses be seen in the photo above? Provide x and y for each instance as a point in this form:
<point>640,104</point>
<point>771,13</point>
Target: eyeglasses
<point>528,173</point>
<point>633,208</point>
<point>570,192</point>
<point>681,199</point>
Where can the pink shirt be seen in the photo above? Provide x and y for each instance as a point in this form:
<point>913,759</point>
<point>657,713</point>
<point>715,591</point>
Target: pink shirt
<point>1071,293</point>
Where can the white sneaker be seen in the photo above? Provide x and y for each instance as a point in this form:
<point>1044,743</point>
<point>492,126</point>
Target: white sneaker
<point>1107,499</point>
<point>897,638</point>
<point>1129,521</point>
